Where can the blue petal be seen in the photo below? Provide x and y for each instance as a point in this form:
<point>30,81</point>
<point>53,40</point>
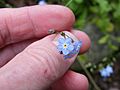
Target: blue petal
<point>74,51</point>
<point>77,46</point>
<point>103,73</point>
<point>109,69</point>
<point>108,74</point>
<point>65,52</point>
<point>59,47</point>
<point>68,56</point>
<point>77,43</point>
<point>42,2</point>
<point>68,40</point>
<point>61,40</point>
<point>70,47</point>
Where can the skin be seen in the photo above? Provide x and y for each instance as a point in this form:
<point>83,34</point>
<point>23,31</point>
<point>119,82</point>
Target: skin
<point>29,59</point>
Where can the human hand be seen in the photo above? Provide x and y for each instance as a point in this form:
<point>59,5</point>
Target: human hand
<point>39,66</point>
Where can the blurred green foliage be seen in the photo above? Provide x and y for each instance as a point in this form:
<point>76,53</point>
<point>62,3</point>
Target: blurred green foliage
<point>104,14</point>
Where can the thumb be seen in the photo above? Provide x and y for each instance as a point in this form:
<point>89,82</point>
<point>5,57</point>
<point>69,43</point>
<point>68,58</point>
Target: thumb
<point>38,66</point>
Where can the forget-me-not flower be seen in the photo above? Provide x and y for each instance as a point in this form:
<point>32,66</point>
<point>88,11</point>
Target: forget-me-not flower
<point>41,2</point>
<point>109,69</point>
<point>106,72</point>
<point>77,46</point>
<point>65,45</point>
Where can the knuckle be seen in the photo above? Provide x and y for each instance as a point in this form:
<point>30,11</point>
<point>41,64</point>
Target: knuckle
<point>31,22</point>
<point>1,39</point>
<point>5,37</point>
<point>46,60</point>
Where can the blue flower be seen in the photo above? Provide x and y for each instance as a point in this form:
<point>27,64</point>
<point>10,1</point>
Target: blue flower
<point>68,56</point>
<point>77,46</point>
<point>41,2</point>
<point>65,45</point>
<point>106,72</point>
<point>109,69</point>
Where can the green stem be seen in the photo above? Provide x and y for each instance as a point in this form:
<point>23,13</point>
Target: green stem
<point>89,76</point>
<point>64,35</point>
<point>68,3</point>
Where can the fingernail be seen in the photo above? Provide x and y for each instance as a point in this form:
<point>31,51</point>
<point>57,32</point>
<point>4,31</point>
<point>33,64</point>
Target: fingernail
<point>67,44</point>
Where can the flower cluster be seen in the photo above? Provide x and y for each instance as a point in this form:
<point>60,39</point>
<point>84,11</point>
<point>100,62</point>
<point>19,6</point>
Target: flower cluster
<point>106,72</point>
<point>68,47</point>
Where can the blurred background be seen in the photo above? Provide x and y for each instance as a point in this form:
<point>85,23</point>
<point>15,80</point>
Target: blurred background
<point>100,19</point>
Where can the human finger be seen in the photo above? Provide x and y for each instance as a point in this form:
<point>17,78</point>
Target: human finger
<point>19,24</point>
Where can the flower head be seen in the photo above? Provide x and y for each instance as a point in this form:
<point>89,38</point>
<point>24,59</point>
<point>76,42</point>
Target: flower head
<point>77,46</point>
<point>65,45</point>
<point>106,72</point>
<point>109,69</point>
<point>41,2</point>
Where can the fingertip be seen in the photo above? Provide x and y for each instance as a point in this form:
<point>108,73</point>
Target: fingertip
<point>67,13</point>
<point>57,17</point>
<point>80,80</point>
<point>33,22</point>
<point>86,42</point>
<point>72,81</point>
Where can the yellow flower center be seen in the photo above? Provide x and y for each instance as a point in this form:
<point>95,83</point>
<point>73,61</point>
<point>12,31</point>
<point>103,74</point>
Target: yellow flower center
<point>65,45</point>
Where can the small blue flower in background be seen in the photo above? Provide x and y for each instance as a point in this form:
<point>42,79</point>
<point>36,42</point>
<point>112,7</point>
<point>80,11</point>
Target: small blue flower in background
<point>65,45</point>
<point>106,72</point>
<point>109,69</point>
<point>42,2</point>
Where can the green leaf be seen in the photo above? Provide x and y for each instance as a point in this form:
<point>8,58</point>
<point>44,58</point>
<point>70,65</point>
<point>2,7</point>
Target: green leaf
<point>104,39</point>
<point>104,6</point>
<point>94,9</point>
<point>80,23</point>
<point>73,6</point>
<point>116,14</point>
<point>83,58</point>
<point>68,3</point>
<point>110,27</point>
<point>118,39</point>
<point>78,1</point>
<point>104,24</point>
<point>113,47</point>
